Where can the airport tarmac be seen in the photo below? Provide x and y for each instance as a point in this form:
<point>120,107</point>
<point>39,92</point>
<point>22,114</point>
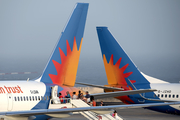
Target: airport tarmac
<point>134,114</point>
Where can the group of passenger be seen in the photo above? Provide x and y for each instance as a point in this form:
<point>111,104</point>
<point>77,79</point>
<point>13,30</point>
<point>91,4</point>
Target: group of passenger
<point>87,98</point>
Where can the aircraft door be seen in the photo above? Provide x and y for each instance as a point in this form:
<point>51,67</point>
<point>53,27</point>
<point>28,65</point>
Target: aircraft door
<point>10,102</point>
<point>54,96</point>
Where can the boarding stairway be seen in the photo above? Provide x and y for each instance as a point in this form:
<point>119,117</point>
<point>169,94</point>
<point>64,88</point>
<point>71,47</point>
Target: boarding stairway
<point>92,115</point>
<point>55,103</point>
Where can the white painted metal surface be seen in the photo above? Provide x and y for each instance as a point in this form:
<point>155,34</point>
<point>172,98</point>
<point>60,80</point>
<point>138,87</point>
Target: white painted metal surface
<point>92,115</point>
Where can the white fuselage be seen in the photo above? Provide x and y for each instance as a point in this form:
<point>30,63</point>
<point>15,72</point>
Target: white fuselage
<point>21,95</point>
<point>168,91</point>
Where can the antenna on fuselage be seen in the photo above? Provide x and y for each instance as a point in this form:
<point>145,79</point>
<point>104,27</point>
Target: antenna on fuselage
<point>27,79</point>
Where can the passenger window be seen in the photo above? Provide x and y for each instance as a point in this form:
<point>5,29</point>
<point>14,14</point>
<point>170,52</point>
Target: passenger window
<point>173,96</point>
<point>177,96</point>
<point>18,98</point>
<point>24,98</point>
<point>158,95</point>
<point>33,98</point>
<point>165,96</point>
<point>15,99</point>
<point>36,98</point>
<point>47,98</point>
<point>162,95</point>
<point>21,99</point>
<point>39,98</point>
<point>170,96</point>
<point>30,98</point>
<point>44,97</point>
<point>27,98</point>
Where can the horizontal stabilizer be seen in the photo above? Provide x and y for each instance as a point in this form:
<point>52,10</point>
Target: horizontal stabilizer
<point>121,93</point>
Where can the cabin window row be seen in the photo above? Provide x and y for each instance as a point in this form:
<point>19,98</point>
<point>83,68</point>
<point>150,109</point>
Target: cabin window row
<point>30,98</point>
<point>168,96</point>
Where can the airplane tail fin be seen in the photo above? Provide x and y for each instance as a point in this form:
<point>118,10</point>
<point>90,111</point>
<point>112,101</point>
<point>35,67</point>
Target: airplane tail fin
<point>118,65</point>
<point>63,63</point>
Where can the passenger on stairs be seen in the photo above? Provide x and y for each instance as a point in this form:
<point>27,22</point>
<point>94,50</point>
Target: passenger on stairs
<point>82,97</point>
<point>101,104</point>
<point>87,97</point>
<point>68,96</point>
<point>93,102</point>
<point>79,95</point>
<point>115,115</point>
<point>60,97</point>
<point>74,96</point>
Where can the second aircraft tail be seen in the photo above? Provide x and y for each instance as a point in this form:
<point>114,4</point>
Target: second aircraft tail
<point>118,65</point>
